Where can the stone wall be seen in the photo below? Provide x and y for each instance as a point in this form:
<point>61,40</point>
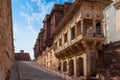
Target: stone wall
<point>48,59</point>
<point>110,61</point>
<point>6,39</point>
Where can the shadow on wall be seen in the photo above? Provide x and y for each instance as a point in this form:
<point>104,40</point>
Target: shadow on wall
<point>110,61</point>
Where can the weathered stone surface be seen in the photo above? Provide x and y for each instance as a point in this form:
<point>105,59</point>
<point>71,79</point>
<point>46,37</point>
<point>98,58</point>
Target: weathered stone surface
<point>6,39</point>
<point>45,36</point>
<point>110,61</point>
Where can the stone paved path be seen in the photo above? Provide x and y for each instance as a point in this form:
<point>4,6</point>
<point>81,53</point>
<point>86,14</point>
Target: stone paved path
<point>29,70</point>
<point>14,75</point>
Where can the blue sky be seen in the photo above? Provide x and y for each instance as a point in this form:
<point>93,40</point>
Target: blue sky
<point>27,21</point>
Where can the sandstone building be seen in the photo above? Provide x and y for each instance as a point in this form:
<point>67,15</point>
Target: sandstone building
<point>22,56</point>
<point>79,37</point>
<point>44,47</point>
<point>6,39</point>
<point>80,42</point>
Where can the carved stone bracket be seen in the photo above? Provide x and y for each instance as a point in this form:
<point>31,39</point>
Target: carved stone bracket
<point>85,46</point>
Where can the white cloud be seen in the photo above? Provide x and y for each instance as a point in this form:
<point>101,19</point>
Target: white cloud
<point>31,17</point>
<point>43,7</point>
<point>31,28</point>
<point>29,7</point>
<point>32,13</point>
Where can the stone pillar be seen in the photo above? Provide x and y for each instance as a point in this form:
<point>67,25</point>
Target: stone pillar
<point>61,66</point>
<point>69,35</point>
<point>87,63</point>
<point>94,26</point>
<point>94,21</point>
<point>75,30</point>
<point>75,75</point>
<point>102,25</point>
<point>82,30</point>
<point>67,66</point>
<point>62,38</point>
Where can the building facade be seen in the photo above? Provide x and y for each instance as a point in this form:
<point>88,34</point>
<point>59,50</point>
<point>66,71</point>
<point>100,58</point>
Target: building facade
<point>75,45</point>
<point>6,39</point>
<point>48,59</point>
<point>79,37</point>
<point>44,47</point>
<point>22,56</point>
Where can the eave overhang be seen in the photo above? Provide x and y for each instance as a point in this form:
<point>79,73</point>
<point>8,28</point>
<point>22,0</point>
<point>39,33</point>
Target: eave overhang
<point>117,4</point>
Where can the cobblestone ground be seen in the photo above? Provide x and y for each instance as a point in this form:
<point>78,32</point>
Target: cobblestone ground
<point>28,70</point>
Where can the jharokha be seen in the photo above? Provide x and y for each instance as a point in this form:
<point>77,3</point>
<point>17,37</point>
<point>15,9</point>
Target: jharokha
<point>72,40</point>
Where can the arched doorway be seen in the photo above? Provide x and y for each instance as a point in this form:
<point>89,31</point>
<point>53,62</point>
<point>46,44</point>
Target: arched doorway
<point>59,66</point>
<point>71,67</point>
<point>80,69</point>
<point>93,66</point>
<point>65,66</point>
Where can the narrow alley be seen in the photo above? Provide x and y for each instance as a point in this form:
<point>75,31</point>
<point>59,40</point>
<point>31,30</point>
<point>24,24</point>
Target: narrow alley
<point>29,70</point>
<point>59,39</point>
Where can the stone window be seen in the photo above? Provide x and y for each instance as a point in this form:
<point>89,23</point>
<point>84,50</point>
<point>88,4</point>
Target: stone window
<point>60,42</point>
<point>78,28</point>
<point>65,37</point>
<point>65,66</point>
<point>98,27</point>
<point>72,32</point>
<point>88,23</point>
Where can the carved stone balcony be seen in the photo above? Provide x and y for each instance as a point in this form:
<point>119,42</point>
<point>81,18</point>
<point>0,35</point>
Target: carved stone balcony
<point>79,45</point>
<point>85,28</point>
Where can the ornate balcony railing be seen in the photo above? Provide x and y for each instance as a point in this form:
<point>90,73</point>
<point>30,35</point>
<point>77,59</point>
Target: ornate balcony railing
<point>75,44</point>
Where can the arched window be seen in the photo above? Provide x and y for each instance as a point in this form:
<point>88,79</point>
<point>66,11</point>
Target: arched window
<point>98,28</point>
<point>71,67</point>
<point>80,67</point>
<point>65,66</point>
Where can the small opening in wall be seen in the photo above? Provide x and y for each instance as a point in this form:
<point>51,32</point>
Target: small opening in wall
<point>72,32</point>
<point>60,42</point>
<point>65,37</point>
<point>98,27</point>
